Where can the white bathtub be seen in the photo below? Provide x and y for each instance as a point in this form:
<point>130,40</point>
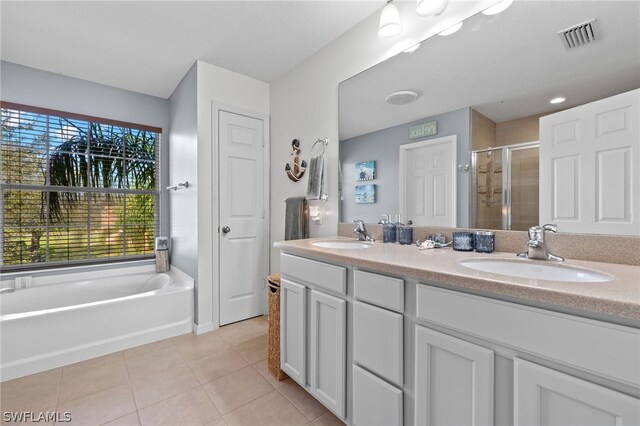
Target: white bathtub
<point>66,318</point>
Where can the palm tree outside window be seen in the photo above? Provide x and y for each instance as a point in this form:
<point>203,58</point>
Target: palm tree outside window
<point>75,189</point>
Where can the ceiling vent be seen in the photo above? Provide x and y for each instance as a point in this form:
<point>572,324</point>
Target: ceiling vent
<point>579,35</point>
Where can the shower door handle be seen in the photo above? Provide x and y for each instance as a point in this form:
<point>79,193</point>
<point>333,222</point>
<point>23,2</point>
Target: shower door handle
<point>226,230</point>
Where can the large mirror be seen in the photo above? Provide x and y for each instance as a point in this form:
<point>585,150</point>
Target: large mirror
<point>480,95</point>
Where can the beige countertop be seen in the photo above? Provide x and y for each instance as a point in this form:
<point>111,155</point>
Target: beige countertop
<point>616,299</point>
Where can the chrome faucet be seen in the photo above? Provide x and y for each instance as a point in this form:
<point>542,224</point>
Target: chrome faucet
<point>537,247</point>
<point>361,232</point>
<point>7,290</point>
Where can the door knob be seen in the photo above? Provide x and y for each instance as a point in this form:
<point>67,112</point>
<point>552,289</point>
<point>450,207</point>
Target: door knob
<point>226,230</point>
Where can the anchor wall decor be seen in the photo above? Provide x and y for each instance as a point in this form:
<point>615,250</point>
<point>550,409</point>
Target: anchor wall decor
<point>295,173</point>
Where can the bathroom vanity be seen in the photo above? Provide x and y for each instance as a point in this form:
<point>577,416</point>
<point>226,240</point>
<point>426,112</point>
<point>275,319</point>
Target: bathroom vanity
<point>387,334</point>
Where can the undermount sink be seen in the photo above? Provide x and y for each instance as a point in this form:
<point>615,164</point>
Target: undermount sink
<point>536,271</point>
<point>343,244</point>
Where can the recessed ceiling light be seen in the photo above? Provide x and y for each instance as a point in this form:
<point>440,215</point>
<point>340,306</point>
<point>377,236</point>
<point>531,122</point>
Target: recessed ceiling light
<point>402,97</point>
<point>557,100</point>
<point>498,7</point>
<point>452,29</point>
<point>412,48</point>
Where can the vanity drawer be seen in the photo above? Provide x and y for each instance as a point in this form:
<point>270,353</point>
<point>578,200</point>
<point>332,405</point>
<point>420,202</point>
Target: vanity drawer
<point>375,402</point>
<point>378,341</point>
<point>380,290</point>
<point>601,348</point>
<point>311,272</point>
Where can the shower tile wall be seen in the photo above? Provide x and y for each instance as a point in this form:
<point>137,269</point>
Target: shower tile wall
<point>520,130</point>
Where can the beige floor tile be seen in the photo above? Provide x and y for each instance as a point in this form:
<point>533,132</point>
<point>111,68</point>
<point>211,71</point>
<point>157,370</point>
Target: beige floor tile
<point>128,420</point>
<point>240,332</point>
<point>302,400</point>
<point>162,385</point>
<point>86,381</point>
<point>328,419</point>
<point>155,361</point>
<point>93,362</point>
<point>261,321</point>
<point>188,408</point>
<point>202,345</point>
<point>271,409</point>
<point>253,350</point>
<point>36,392</point>
<point>262,367</point>
<point>217,365</point>
<point>149,347</point>
<point>236,389</point>
<point>101,407</point>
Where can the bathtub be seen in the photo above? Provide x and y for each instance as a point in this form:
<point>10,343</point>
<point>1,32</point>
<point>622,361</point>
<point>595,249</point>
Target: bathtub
<point>69,317</point>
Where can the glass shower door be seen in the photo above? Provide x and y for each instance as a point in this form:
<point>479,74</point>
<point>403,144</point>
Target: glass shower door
<point>505,187</point>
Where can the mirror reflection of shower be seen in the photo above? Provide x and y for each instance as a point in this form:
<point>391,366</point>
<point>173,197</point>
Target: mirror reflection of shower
<point>505,187</point>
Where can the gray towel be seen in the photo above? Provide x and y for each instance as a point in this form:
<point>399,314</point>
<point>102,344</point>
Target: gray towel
<point>296,224</point>
<point>315,188</point>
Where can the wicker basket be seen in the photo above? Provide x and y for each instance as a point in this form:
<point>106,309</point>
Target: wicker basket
<point>274,327</point>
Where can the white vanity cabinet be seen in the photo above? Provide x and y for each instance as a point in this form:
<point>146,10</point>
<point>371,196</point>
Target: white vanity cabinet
<point>455,378</point>
<point>313,324</point>
<point>384,350</point>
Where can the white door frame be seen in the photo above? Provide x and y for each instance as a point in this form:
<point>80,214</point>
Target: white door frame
<point>453,141</point>
<point>215,198</point>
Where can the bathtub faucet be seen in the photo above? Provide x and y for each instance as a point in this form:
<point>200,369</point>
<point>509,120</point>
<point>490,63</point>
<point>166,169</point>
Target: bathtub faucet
<point>7,290</point>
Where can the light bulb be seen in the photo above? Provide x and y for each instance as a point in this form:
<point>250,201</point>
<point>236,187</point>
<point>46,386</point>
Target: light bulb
<point>498,7</point>
<point>430,7</point>
<point>452,29</point>
<point>389,22</point>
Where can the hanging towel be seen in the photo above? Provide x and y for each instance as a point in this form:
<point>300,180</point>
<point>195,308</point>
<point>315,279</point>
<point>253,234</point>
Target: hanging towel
<point>296,224</point>
<point>315,187</point>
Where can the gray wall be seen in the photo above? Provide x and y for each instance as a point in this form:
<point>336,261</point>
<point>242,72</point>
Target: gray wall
<point>183,151</point>
<point>383,147</point>
<point>30,86</point>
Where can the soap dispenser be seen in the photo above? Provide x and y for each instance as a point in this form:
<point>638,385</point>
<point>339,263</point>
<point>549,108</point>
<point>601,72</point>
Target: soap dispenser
<point>389,231</point>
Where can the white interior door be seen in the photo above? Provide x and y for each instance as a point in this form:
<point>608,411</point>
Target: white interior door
<point>428,182</point>
<point>242,216</point>
<point>589,162</point>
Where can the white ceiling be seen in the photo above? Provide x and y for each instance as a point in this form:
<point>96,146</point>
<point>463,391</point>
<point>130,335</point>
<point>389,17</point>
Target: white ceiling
<point>148,46</point>
<point>505,66</point>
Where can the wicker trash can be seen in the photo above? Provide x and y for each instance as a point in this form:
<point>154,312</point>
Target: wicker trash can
<point>274,327</point>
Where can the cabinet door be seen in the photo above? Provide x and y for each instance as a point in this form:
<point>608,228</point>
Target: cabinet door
<point>292,330</point>
<point>375,402</point>
<point>548,397</point>
<point>377,341</point>
<point>454,381</point>
<point>328,350</point>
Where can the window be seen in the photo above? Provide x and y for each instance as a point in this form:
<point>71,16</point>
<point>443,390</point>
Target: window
<point>75,189</point>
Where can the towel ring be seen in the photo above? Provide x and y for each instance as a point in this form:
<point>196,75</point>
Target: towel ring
<point>324,141</point>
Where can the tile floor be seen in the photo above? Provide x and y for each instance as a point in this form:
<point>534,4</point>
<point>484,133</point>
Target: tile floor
<point>215,378</point>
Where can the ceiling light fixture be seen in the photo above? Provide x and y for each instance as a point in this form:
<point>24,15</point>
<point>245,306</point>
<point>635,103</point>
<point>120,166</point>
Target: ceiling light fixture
<point>402,97</point>
<point>498,7</point>
<point>430,7</point>
<point>557,100</point>
<point>452,29</point>
<point>412,48</point>
<point>389,21</point>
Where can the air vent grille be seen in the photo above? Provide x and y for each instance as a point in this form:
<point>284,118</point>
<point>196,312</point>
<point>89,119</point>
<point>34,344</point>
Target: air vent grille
<point>579,35</point>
